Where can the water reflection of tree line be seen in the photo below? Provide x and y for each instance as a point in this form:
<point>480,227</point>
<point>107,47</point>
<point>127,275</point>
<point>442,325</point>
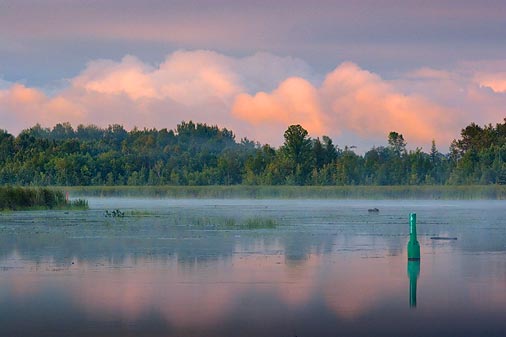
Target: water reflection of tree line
<point>188,246</point>
<point>60,249</point>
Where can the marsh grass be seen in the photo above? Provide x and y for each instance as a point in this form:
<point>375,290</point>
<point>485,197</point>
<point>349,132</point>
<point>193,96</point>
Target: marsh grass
<point>260,223</point>
<point>81,204</point>
<point>139,213</point>
<point>299,192</point>
<point>226,223</point>
<point>25,198</point>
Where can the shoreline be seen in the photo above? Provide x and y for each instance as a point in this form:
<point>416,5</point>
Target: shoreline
<point>468,192</point>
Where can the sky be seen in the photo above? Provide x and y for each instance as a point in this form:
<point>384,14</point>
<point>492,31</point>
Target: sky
<point>352,70</point>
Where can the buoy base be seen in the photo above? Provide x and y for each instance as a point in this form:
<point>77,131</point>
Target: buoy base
<point>413,259</point>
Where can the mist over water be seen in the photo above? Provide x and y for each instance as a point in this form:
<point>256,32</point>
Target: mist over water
<point>240,267</point>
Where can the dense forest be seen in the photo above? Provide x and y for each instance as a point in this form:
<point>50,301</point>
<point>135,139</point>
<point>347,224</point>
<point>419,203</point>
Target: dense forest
<point>200,154</point>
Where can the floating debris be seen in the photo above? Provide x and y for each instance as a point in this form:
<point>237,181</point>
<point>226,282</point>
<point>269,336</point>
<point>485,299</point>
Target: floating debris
<point>442,238</point>
<point>373,210</point>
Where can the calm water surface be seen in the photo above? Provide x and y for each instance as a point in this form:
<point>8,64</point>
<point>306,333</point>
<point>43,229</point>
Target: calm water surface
<point>254,268</point>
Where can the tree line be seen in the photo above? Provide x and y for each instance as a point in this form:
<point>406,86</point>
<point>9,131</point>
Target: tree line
<point>201,154</point>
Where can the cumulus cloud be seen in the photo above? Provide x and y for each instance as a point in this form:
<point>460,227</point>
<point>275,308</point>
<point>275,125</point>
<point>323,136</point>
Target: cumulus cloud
<point>495,81</point>
<point>199,85</point>
<point>295,101</point>
<point>368,105</point>
<point>22,106</point>
<point>130,77</point>
<point>188,77</point>
<point>259,96</point>
<point>350,99</point>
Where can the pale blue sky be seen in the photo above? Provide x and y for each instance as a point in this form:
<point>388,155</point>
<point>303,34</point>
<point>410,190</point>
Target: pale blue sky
<point>43,41</point>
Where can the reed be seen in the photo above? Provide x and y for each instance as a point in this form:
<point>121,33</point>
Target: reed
<point>26,198</point>
<point>431,192</point>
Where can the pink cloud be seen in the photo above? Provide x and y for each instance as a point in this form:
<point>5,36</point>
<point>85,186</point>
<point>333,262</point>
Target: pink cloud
<point>495,81</point>
<point>191,78</point>
<point>20,105</point>
<point>369,105</point>
<point>295,101</point>
<point>350,99</point>
<point>129,77</point>
<point>199,85</point>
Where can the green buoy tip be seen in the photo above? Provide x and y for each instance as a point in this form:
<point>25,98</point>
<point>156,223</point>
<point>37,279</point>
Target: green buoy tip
<point>413,245</point>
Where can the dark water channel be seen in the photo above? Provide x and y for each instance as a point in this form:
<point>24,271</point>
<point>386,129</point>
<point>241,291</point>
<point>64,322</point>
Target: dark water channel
<point>254,268</point>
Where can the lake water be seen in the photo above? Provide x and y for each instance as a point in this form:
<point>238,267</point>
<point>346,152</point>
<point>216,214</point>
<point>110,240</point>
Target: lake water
<point>280,268</point>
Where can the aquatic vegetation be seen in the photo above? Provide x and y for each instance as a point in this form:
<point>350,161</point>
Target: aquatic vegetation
<point>223,223</point>
<point>259,223</point>
<point>78,204</point>
<point>433,192</point>
<point>23,198</point>
<point>139,213</point>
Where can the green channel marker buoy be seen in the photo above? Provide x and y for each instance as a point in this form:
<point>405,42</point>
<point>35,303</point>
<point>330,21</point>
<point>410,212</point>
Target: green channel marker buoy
<point>413,245</point>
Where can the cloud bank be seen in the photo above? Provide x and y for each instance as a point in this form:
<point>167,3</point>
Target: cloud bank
<point>259,96</point>
<point>349,99</point>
